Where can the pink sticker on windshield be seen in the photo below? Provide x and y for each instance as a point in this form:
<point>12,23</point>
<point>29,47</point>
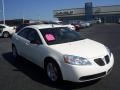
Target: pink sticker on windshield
<point>50,37</point>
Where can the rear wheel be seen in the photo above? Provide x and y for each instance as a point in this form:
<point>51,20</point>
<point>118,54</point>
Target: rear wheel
<point>53,72</point>
<point>6,34</point>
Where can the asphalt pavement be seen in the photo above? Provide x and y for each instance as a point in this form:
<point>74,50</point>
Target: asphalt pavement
<point>24,75</point>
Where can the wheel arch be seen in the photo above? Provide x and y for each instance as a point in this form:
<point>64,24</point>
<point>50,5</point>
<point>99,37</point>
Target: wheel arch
<point>51,59</point>
<point>5,32</point>
<point>47,59</point>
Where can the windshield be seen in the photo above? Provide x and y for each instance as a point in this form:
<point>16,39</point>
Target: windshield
<point>60,35</point>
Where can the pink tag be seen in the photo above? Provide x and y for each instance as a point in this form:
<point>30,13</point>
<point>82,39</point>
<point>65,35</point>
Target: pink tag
<point>49,37</point>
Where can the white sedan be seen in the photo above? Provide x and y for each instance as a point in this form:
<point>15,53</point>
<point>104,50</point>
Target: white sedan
<point>63,53</point>
<point>6,31</point>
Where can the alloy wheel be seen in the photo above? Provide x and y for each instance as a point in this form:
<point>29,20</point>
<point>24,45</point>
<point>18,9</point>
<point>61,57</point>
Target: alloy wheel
<point>52,72</point>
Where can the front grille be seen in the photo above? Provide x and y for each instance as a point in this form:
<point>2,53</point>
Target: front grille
<point>93,76</point>
<point>102,61</point>
<point>99,61</point>
<point>107,59</point>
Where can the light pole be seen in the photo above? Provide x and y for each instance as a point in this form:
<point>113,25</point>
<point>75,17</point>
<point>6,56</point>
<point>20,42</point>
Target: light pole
<point>23,19</point>
<point>3,11</point>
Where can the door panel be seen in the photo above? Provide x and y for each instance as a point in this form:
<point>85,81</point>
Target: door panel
<point>21,45</point>
<point>35,53</point>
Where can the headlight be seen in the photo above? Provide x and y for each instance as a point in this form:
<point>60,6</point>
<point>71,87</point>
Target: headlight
<point>109,52</point>
<point>75,60</point>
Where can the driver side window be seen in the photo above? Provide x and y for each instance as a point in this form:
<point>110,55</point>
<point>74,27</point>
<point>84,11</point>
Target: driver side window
<point>34,36</point>
<point>30,34</point>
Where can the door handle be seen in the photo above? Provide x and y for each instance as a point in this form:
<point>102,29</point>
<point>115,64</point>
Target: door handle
<point>16,38</point>
<point>26,43</point>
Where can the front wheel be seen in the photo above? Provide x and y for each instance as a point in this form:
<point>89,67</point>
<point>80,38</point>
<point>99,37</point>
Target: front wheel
<point>53,72</point>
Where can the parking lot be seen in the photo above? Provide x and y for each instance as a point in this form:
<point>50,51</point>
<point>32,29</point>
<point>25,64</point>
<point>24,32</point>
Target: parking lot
<point>24,75</point>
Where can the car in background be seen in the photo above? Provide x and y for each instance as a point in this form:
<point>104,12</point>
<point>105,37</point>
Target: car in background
<point>119,21</point>
<point>70,26</point>
<point>53,24</point>
<point>60,23</point>
<point>6,31</point>
<point>98,20</point>
<point>76,26</point>
<point>64,54</point>
<point>84,24</point>
<point>23,25</point>
<point>81,24</point>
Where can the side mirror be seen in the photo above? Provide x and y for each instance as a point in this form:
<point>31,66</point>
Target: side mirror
<point>35,42</point>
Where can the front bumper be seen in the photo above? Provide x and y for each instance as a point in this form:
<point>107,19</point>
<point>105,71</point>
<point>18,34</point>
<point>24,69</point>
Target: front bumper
<point>77,73</point>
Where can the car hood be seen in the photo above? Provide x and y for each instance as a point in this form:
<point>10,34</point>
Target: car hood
<point>84,48</point>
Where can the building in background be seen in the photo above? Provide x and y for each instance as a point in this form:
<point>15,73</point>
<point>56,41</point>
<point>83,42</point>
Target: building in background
<point>16,22</point>
<point>107,14</point>
<point>88,11</point>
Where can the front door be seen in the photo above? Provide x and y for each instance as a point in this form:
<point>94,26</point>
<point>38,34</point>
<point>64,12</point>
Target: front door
<point>34,49</point>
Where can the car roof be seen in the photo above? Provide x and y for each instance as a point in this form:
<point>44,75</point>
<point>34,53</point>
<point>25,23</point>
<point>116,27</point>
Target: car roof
<point>43,26</point>
<point>3,25</point>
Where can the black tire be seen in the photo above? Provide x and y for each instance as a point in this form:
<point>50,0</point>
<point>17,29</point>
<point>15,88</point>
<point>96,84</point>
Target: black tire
<point>14,52</point>
<point>6,34</point>
<point>53,72</point>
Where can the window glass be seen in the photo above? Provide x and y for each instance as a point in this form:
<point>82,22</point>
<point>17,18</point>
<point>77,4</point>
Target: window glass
<point>30,34</point>
<point>24,33</point>
<point>33,35</point>
<point>60,35</point>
